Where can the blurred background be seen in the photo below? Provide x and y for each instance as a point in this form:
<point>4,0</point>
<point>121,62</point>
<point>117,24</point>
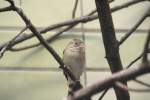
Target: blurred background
<point>41,79</point>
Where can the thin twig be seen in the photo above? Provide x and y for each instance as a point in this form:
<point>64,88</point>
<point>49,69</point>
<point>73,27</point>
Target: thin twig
<point>125,37</point>
<point>16,49</point>
<point>135,60</point>
<point>70,23</point>
<point>142,83</point>
<point>54,37</point>
<point>63,30</point>
<point>8,45</point>
<point>49,28</point>
<point>11,2</point>
<point>146,47</point>
<point>50,39</point>
<point>6,9</point>
<point>132,89</point>
<point>130,3</point>
<point>138,90</point>
<point>125,5</point>
<point>92,12</point>
<point>103,94</point>
<point>75,9</point>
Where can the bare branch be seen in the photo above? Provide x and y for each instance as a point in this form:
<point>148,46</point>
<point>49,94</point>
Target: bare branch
<point>113,59</point>
<point>110,44</point>
<point>146,48</point>
<point>6,9</point>
<point>132,89</point>
<point>142,83</point>
<point>138,90</point>
<point>11,2</point>
<point>125,37</point>
<point>43,42</point>
<point>75,9</point>
<point>92,12</point>
<point>125,5</point>
<point>103,94</point>
<point>135,60</point>
<point>24,48</point>
<point>8,45</point>
<point>74,21</point>
<point>50,39</point>
<point>124,75</point>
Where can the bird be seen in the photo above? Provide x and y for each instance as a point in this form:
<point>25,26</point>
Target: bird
<point>74,59</point>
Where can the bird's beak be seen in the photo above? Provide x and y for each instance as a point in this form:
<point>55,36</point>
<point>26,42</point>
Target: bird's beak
<point>82,46</point>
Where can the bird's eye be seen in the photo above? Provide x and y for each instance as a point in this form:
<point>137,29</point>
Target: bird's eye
<point>76,43</point>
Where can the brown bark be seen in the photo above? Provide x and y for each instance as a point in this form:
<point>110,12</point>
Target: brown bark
<point>110,44</point>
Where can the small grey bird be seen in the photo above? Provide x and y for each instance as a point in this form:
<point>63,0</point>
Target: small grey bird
<point>74,58</point>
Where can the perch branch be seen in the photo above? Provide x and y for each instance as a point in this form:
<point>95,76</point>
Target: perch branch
<point>124,75</point>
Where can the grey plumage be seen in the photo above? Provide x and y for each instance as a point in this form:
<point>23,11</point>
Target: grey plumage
<point>74,58</point>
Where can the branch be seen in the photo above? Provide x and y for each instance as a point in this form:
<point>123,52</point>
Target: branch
<point>135,60</point>
<point>6,9</point>
<point>125,5</point>
<point>75,8</point>
<point>146,48</point>
<point>138,90</point>
<point>8,45</point>
<point>103,94</point>
<point>50,39</point>
<point>124,75</point>
<point>132,89</point>
<point>43,42</point>
<point>142,83</point>
<point>110,44</point>
<point>11,2</point>
<point>126,36</point>
<point>73,21</point>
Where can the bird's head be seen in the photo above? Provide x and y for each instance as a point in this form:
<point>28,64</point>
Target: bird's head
<point>77,44</point>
